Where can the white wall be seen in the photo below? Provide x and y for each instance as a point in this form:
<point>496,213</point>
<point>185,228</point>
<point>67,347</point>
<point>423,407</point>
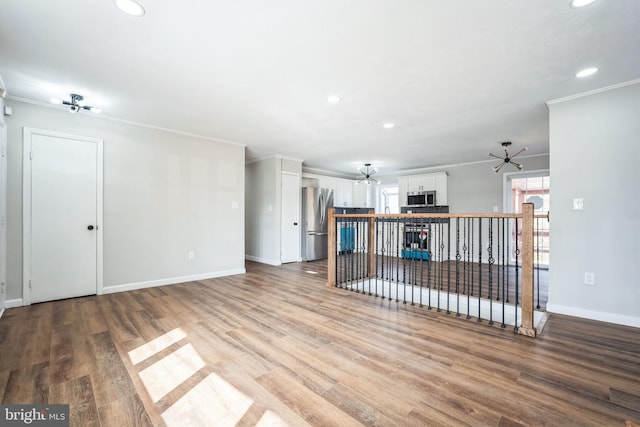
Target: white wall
<point>165,194</point>
<point>263,203</point>
<point>594,156</point>
<point>476,188</point>
<point>263,217</point>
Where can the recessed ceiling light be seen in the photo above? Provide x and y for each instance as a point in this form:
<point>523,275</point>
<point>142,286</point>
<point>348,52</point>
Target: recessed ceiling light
<point>334,99</point>
<point>388,125</point>
<point>580,3</point>
<point>586,72</point>
<point>130,7</point>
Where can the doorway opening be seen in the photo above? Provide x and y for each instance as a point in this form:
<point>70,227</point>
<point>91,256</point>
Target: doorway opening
<point>388,199</point>
<point>531,187</point>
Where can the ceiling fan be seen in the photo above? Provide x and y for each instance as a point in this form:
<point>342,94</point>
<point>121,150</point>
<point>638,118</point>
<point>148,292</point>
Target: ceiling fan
<point>507,158</point>
<point>367,174</point>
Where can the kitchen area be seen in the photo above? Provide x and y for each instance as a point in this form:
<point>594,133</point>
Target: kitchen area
<point>424,193</point>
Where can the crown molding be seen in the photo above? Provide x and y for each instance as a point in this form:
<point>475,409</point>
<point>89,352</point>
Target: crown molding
<point>127,122</point>
<point>592,92</point>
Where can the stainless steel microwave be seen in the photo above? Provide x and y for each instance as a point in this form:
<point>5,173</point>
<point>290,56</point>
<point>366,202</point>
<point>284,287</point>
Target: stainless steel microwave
<point>421,198</point>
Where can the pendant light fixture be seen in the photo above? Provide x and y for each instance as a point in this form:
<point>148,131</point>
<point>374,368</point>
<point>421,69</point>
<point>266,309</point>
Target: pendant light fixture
<point>507,158</point>
<point>367,174</point>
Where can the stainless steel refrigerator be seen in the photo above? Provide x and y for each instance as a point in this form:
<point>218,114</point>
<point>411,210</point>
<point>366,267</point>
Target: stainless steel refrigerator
<point>316,203</point>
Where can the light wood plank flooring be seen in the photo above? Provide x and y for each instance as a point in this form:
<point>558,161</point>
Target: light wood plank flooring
<point>277,347</point>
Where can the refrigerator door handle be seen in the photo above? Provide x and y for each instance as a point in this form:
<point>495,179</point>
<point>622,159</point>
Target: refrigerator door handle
<point>317,233</point>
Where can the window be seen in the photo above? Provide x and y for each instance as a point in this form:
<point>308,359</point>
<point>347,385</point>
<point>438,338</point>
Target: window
<point>388,199</point>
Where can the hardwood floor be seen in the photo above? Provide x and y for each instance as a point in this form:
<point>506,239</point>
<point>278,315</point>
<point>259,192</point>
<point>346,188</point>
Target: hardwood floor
<point>277,347</point>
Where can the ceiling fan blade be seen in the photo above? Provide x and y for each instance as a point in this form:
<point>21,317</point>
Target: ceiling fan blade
<point>497,168</point>
<point>524,149</point>
<point>518,165</point>
<point>493,155</point>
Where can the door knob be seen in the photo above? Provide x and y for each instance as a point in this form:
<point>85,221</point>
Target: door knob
<point>90,227</point>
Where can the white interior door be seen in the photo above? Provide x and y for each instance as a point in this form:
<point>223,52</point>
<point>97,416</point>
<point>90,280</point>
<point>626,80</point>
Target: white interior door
<point>3,213</point>
<point>63,199</point>
<point>290,227</point>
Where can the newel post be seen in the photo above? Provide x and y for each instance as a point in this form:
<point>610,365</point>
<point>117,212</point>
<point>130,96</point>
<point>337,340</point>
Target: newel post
<point>331,252</point>
<point>527,327</point>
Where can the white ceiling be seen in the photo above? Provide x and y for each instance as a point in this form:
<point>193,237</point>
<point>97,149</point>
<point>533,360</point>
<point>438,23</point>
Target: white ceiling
<point>456,77</point>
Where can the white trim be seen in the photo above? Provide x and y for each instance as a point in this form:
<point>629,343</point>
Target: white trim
<point>171,281</point>
<point>506,190</point>
<point>128,122</point>
<point>600,316</point>
<point>309,172</point>
<point>592,92</point>
<point>262,260</point>
<point>274,156</point>
<point>13,303</point>
<point>306,170</point>
<point>26,205</point>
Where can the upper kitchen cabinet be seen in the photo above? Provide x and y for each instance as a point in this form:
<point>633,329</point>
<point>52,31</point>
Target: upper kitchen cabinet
<point>342,189</point>
<point>343,196</point>
<point>436,181</point>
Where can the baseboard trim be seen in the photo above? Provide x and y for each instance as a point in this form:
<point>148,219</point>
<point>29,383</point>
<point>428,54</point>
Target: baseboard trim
<point>13,303</point>
<point>170,281</point>
<point>262,260</point>
<point>600,316</point>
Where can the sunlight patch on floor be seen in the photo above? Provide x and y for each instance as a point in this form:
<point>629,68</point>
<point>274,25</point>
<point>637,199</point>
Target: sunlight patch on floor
<point>165,375</point>
<point>213,402</point>
<point>270,419</point>
<point>155,346</point>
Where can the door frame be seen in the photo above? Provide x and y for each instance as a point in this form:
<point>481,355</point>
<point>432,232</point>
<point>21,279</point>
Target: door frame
<point>3,212</point>
<point>506,196</point>
<point>27,136</point>
<point>282,225</point>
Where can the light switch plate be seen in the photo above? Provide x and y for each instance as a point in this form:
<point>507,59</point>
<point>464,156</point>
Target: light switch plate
<point>589,279</point>
<point>578,204</point>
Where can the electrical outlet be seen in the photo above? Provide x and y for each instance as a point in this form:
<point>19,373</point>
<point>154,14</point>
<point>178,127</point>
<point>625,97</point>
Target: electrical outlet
<point>578,204</point>
<point>191,255</point>
<point>495,209</point>
<point>589,279</point>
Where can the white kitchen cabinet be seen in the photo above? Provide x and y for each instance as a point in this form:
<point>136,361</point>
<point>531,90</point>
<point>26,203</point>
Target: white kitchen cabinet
<point>360,194</point>
<point>425,182</point>
<point>343,196</point>
<point>342,189</point>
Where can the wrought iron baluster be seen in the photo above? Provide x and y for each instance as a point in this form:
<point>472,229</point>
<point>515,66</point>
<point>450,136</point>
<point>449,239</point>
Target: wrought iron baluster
<point>458,257</point>
<point>538,244</point>
<point>467,227</point>
<point>503,221</point>
<point>479,268</point>
<point>516,302</point>
<point>491,261</point>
